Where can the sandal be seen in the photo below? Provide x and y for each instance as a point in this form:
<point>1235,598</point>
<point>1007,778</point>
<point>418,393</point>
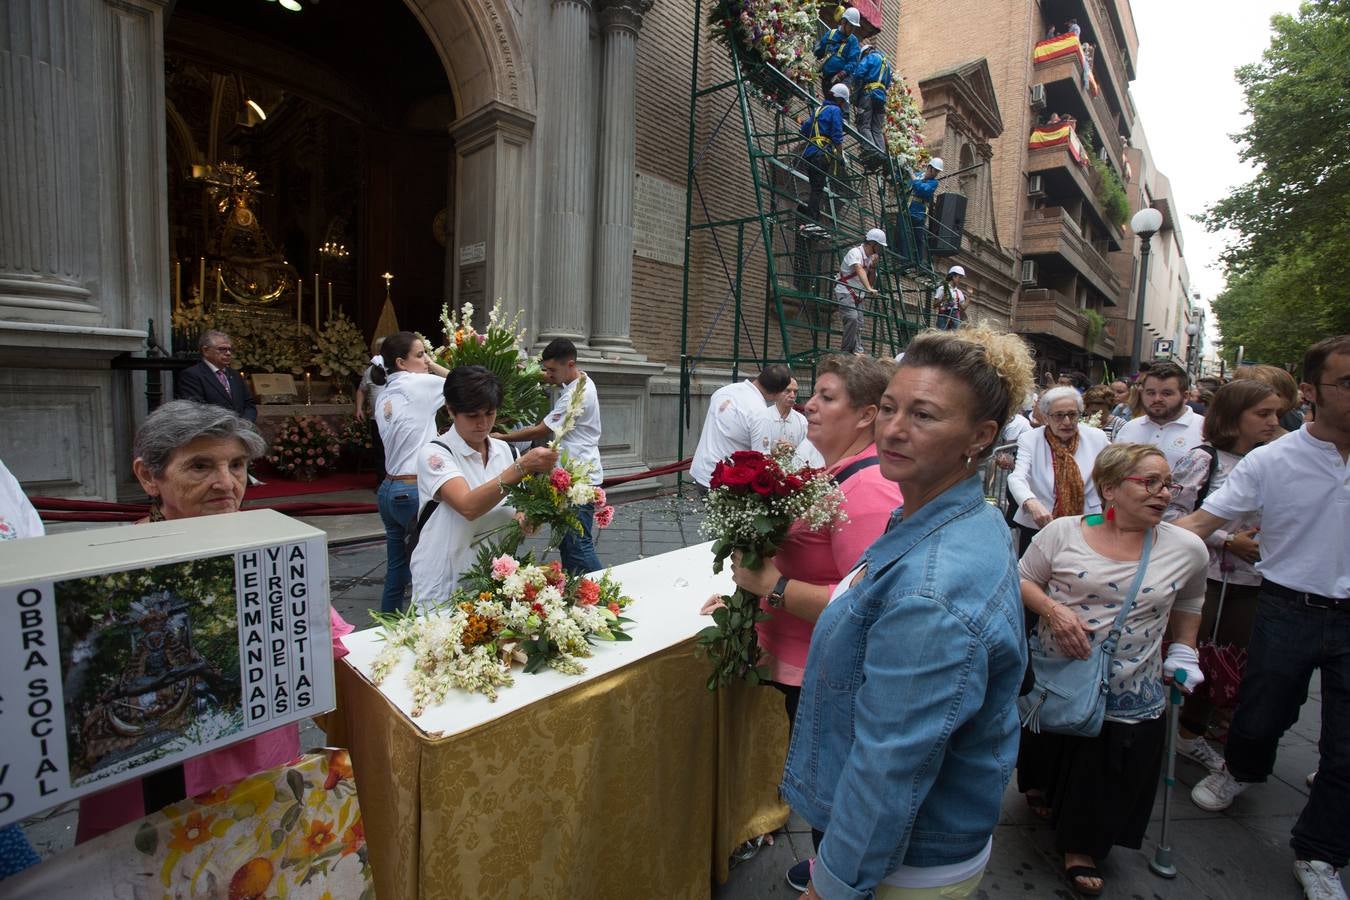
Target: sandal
<point>1040,807</point>
<point>1074,873</point>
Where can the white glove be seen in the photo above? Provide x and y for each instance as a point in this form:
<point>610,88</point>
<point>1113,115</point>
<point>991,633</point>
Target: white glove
<point>1183,658</point>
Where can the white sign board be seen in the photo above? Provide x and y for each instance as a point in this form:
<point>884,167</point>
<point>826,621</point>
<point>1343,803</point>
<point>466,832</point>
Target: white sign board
<point>472,253</point>
<point>127,650</point>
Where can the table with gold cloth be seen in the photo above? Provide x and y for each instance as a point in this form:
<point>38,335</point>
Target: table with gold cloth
<point>632,780</point>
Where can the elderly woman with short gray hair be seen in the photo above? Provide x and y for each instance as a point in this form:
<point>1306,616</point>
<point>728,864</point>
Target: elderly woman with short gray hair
<point>192,460</point>
<point>1054,462</point>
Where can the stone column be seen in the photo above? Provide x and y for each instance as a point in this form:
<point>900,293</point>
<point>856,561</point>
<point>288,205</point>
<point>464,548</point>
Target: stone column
<point>566,175</point>
<point>619,21</point>
<point>44,72</point>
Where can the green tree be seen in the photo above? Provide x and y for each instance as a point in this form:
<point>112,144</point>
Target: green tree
<point>1287,267</point>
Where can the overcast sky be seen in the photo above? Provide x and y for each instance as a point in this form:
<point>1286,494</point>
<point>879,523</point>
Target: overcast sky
<point>1190,103</point>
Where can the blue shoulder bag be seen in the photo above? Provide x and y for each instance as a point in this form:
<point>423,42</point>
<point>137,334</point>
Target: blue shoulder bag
<point>1069,696</point>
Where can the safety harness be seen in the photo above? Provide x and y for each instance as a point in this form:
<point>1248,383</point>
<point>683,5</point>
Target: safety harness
<point>882,76</point>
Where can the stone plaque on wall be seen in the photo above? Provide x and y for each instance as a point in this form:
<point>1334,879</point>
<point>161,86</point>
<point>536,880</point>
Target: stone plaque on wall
<point>658,220</point>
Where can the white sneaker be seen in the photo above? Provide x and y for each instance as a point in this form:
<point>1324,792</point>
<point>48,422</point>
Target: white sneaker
<point>1320,881</point>
<point>1311,778</point>
<point>1217,791</point>
<point>1198,750</point>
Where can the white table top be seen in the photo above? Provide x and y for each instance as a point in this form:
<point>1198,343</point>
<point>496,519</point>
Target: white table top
<point>668,591</point>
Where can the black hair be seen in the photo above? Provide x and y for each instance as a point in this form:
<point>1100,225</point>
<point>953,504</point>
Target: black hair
<point>560,348</point>
<point>470,389</point>
<point>774,378</point>
<point>1163,371</point>
<point>395,347</point>
<point>1315,360</point>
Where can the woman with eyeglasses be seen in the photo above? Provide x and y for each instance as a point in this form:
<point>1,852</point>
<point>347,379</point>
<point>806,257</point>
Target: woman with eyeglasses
<point>1050,478</point>
<point>1076,576</point>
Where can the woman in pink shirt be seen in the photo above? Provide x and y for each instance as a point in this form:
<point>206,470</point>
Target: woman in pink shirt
<point>797,583</point>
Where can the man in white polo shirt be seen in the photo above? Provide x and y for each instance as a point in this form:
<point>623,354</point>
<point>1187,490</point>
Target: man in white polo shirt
<point>732,413</point>
<point>1301,485</point>
<point>1169,424</point>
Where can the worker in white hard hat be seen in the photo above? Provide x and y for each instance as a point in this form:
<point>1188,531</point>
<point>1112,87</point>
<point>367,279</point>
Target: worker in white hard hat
<point>871,81</point>
<point>855,282</point>
<point>824,133</point>
<point>921,194</point>
<point>837,50</point>
<point>950,301</point>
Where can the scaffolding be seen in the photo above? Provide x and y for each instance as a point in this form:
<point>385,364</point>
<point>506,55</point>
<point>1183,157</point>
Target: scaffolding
<point>780,265</point>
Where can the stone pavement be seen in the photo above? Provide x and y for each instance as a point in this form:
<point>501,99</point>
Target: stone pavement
<point>1241,853</point>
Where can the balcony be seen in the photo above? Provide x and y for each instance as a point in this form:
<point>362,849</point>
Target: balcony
<point>1064,93</point>
<point>1051,231</point>
<point>1063,173</point>
<point>1043,311</point>
<point>1113,67</point>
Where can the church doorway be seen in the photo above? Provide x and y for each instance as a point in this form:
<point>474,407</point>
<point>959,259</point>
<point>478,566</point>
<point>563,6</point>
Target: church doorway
<point>308,155</point>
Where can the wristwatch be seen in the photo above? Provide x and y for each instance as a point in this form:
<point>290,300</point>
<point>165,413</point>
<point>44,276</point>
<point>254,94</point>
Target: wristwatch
<point>776,597</point>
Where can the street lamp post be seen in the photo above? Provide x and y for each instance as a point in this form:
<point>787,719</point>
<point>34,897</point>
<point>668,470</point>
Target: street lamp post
<point>1145,224</point>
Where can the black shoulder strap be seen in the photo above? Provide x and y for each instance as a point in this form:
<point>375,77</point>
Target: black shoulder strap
<point>1201,494</point>
<point>854,468</point>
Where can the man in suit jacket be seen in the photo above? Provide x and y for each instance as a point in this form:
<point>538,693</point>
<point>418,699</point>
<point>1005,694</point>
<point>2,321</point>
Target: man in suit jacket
<point>213,381</point>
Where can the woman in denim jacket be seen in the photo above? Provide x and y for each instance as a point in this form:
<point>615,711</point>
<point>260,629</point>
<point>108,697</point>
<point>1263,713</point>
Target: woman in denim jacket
<point>906,735</point>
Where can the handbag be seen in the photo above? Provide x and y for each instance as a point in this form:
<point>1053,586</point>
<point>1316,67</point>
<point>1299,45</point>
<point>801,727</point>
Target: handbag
<point>1069,695</point>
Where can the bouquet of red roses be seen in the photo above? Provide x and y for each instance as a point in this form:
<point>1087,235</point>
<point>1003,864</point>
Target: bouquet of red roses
<point>753,499</point>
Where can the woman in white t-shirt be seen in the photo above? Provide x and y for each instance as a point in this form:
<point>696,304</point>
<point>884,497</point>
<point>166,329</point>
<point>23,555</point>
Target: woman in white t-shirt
<point>467,472</point>
<point>406,417</point>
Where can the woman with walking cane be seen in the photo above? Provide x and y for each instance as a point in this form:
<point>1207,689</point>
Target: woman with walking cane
<point>1243,414</point>
<point>1097,581</point>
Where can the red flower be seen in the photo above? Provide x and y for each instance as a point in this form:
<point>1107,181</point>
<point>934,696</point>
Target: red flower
<point>560,479</point>
<point>554,574</point>
<point>588,592</point>
<point>531,592</point>
<point>764,482</point>
<point>614,608</point>
<point>737,478</point>
<point>604,516</point>
<point>750,458</point>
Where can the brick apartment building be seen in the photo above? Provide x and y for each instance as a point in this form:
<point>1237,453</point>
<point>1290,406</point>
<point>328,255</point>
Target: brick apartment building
<point>1043,242</point>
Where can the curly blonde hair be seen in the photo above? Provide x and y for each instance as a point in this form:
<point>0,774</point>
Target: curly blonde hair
<point>995,365</point>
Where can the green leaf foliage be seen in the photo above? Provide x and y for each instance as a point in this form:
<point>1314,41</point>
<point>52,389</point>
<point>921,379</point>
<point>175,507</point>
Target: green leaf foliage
<point>1286,261</point>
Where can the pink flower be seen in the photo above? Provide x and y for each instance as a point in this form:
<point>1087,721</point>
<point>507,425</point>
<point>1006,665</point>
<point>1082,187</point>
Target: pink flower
<point>604,516</point>
<point>503,566</point>
<point>600,498</point>
<point>320,461</point>
<point>560,479</point>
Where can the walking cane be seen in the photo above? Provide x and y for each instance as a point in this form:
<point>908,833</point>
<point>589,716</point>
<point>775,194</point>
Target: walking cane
<point>1161,864</point>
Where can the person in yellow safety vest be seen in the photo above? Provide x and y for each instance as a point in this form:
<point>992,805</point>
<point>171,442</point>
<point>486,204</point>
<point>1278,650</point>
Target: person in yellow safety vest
<point>871,81</point>
<point>824,133</point>
<point>838,51</point>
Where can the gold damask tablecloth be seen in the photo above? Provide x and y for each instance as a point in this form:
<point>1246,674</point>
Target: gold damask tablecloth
<point>634,783</point>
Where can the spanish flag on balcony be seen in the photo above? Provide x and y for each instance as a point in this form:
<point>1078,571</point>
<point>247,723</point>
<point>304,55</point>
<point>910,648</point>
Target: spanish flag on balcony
<point>1054,135</point>
<point>1055,47</point>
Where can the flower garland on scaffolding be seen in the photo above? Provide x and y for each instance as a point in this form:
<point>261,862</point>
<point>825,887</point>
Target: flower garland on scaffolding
<point>904,126</point>
<point>780,33</point>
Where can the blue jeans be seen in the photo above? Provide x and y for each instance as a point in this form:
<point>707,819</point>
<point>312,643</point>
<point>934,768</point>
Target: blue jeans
<point>398,508</point>
<point>1289,640</point>
<point>577,550</point>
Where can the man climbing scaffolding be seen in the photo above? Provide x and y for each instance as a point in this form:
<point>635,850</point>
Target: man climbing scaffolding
<point>838,51</point>
<point>824,133</point>
<point>871,81</point>
<point>920,197</point>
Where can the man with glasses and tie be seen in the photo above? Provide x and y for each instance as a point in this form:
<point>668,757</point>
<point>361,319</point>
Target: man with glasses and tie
<point>213,381</point>
<point>1168,423</point>
<point>1301,484</point>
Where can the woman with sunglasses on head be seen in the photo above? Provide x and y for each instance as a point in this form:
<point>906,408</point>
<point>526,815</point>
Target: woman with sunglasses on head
<point>1053,461</point>
<point>1078,575</point>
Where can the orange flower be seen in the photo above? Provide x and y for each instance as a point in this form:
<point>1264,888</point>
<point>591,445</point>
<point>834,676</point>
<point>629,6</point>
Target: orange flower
<point>354,838</point>
<point>339,767</point>
<point>588,592</point>
<point>251,879</point>
<point>192,832</point>
<point>320,836</point>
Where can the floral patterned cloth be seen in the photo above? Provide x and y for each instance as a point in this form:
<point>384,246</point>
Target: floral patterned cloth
<point>291,832</point>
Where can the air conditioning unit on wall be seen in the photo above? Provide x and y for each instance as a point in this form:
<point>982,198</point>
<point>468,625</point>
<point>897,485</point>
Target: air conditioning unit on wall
<point>1035,185</point>
<point>1038,96</point>
<point>1029,272</point>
